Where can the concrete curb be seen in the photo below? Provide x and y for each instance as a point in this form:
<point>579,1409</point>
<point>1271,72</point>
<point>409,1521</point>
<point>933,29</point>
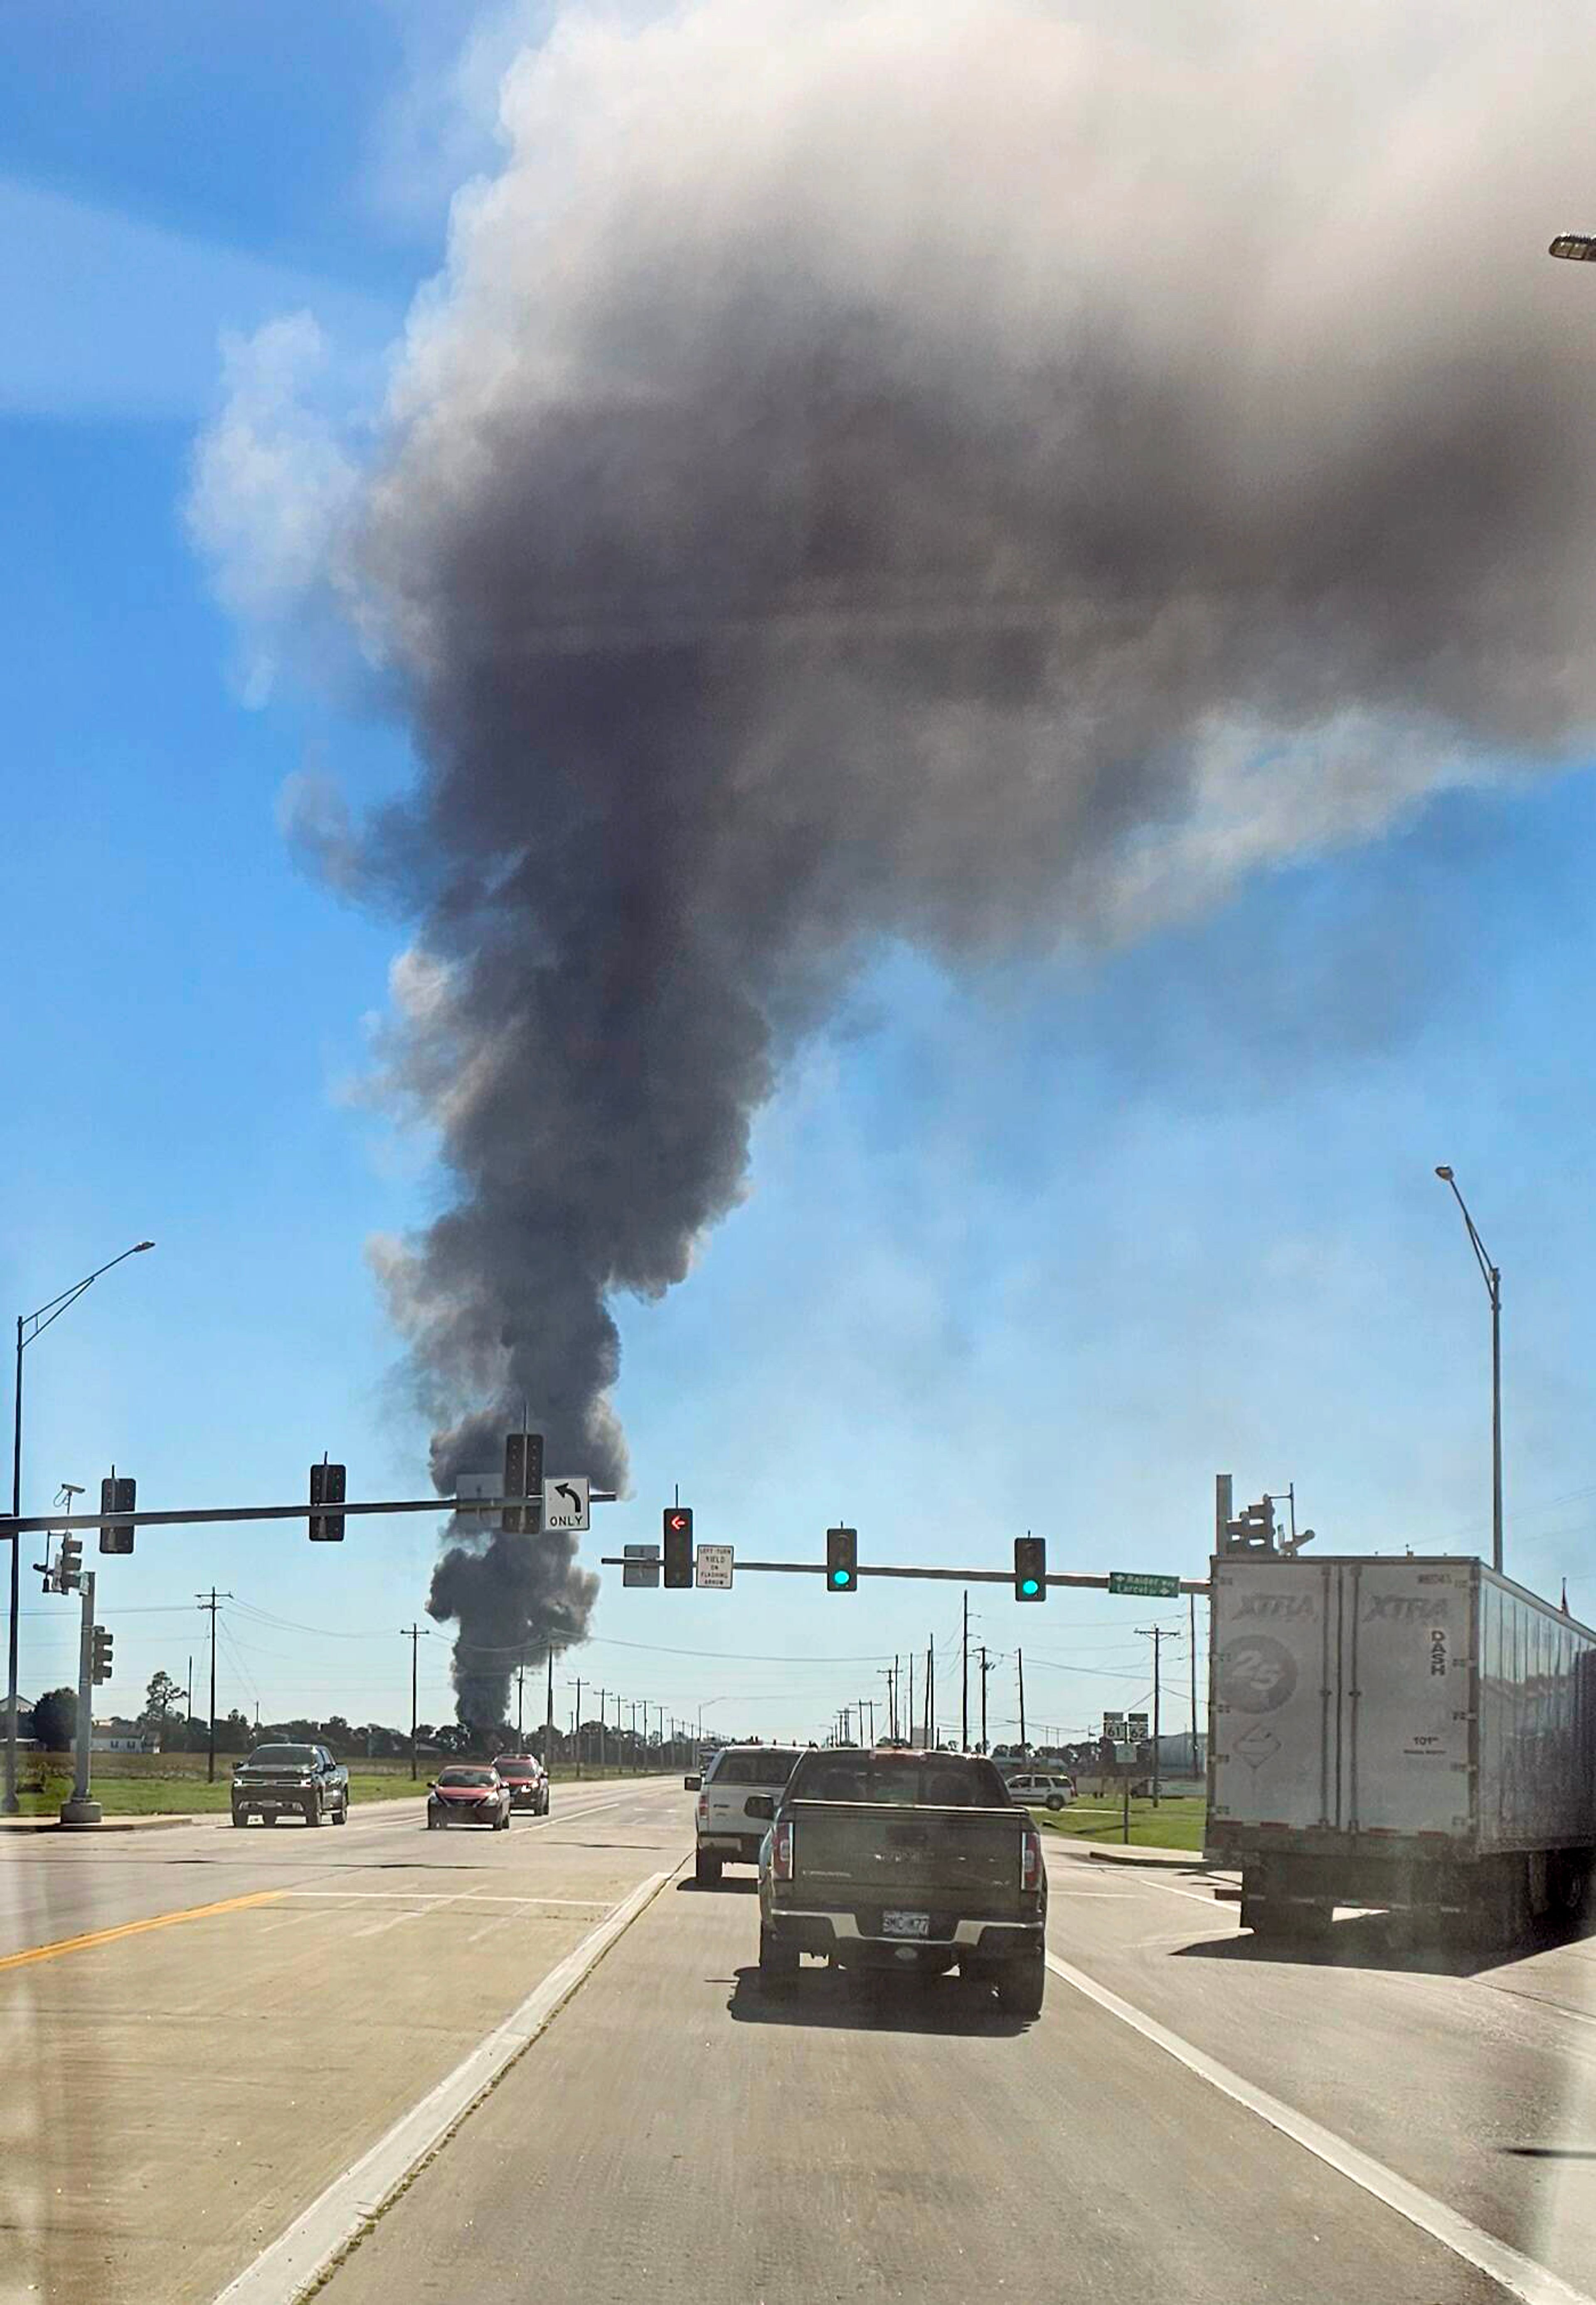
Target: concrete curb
<point>105,1824</point>
<point>1188,1860</point>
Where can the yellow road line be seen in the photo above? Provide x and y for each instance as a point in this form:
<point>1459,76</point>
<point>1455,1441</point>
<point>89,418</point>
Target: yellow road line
<point>134,1929</point>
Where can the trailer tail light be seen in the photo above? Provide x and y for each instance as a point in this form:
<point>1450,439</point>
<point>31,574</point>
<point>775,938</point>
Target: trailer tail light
<point>1030,1858</point>
<point>781,1851</point>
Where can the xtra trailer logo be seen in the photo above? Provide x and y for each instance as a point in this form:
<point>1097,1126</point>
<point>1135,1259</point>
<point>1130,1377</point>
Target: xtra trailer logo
<point>1274,1604</point>
<point>1404,1608</point>
<point>1256,1675</point>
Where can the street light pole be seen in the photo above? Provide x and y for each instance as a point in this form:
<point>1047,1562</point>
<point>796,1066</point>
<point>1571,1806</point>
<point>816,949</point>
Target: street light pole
<point>31,1327</point>
<point>1492,1277</point>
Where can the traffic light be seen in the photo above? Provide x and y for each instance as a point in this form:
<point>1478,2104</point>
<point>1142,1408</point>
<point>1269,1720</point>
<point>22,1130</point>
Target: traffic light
<point>100,1655</point>
<point>524,1477</point>
<point>1254,1532</point>
<point>327,1487</point>
<point>842,1560</point>
<point>116,1496</point>
<point>678,1546</point>
<point>69,1564</point>
<point>1030,1568</point>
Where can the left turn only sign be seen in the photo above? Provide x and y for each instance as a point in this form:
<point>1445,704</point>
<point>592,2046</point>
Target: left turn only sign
<point>565,1500</point>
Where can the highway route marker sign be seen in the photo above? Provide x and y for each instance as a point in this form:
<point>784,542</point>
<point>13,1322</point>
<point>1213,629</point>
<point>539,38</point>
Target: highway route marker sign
<point>1149,1588</point>
<point>714,1569</point>
<point>565,1502</point>
<point>1114,1728</point>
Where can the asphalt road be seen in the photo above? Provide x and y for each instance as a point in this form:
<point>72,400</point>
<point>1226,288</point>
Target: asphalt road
<point>671,2135</point>
<point>257,2008</point>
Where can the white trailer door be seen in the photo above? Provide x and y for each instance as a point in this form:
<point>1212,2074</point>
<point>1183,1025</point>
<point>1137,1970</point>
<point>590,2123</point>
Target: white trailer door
<point>1404,1696</point>
<point>1274,1668</point>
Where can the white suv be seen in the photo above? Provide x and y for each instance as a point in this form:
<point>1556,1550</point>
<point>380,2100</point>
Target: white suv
<point>1040,1791</point>
<point>726,1833</point>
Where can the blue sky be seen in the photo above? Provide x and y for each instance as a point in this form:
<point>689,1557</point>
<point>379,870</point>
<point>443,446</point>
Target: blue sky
<point>1041,1249</point>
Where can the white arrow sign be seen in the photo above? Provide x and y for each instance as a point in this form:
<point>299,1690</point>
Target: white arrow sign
<point>565,1502</point>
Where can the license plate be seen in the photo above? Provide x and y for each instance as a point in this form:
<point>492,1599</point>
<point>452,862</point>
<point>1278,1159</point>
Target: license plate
<point>906,1925</point>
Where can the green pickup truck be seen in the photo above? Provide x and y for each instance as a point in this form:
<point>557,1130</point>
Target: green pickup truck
<point>916,1862</point>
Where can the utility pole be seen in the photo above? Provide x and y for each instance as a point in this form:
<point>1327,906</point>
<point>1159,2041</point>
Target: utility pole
<point>931,1692</point>
<point>1020,1670</point>
<point>909,1717</point>
<point>985,1669</point>
<point>1156,1634</point>
<point>520,1702</point>
<point>603,1724</point>
<point>965,1709</point>
<point>415,1634</point>
<point>576,1727</point>
<point>190,1722</point>
<point>211,1604</point>
<point>549,1718</point>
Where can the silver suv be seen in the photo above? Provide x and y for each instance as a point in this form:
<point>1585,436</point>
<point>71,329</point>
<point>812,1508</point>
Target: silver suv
<point>726,1833</point>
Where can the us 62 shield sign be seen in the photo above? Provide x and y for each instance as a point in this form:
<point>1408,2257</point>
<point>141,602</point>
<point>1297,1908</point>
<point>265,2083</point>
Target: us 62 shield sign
<point>565,1502</point>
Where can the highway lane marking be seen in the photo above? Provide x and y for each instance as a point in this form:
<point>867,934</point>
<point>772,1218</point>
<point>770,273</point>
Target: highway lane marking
<point>93,1937</point>
<point>301,2255</point>
<point>431,1897</point>
<point>1519,2275</point>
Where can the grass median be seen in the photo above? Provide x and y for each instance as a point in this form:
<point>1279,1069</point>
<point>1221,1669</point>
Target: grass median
<point>1178,1823</point>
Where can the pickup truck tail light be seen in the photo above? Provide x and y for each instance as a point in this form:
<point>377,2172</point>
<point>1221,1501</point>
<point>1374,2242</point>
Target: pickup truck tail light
<point>1030,1858</point>
<point>781,1851</point>
<point>703,1807</point>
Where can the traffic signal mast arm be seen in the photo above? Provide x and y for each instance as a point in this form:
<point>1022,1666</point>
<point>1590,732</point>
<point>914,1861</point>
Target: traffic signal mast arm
<point>25,1524</point>
<point>945,1576</point>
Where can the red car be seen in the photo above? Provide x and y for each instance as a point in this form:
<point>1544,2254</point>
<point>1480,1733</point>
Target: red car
<point>524,1774</point>
<point>469,1794</point>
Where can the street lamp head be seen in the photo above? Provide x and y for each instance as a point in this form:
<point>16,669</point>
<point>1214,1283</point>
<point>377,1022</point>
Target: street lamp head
<point>1445,1175</point>
<point>138,1244</point>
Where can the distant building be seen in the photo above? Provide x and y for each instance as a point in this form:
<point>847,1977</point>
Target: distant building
<point>116,1736</point>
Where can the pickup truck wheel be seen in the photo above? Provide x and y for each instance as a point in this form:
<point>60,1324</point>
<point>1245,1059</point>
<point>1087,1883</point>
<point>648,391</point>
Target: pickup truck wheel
<point>241,1816</point>
<point>313,1812</point>
<point>778,1967</point>
<point>705,1868</point>
<point>1020,1985</point>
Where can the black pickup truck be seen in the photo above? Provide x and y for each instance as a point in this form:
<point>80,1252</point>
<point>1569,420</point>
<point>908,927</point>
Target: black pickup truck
<point>911,1861</point>
<point>277,1780</point>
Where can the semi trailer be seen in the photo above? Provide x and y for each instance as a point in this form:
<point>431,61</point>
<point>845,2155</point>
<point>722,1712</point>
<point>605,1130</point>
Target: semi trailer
<point>1400,1733</point>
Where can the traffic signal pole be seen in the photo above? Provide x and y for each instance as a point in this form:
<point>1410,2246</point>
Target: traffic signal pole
<point>80,1810</point>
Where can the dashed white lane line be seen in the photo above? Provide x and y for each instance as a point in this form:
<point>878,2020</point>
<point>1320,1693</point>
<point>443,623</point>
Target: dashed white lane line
<point>302,2254</point>
<point>1519,2275</point>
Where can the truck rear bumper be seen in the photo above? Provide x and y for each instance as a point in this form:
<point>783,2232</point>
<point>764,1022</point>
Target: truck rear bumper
<point>842,1938</point>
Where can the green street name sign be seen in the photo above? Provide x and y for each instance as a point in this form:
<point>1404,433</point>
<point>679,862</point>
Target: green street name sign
<point>1152,1588</point>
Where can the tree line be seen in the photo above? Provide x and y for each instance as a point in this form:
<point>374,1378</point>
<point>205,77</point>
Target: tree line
<point>53,1724</point>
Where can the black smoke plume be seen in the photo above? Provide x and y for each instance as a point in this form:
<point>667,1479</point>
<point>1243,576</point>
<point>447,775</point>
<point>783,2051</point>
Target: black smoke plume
<point>976,474</point>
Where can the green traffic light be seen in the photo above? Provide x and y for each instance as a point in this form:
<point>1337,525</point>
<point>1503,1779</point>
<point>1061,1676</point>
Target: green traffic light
<point>841,1577</point>
<point>1029,1585</point>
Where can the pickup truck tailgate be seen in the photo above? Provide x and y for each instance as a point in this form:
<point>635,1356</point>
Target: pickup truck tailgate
<point>969,1858</point>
